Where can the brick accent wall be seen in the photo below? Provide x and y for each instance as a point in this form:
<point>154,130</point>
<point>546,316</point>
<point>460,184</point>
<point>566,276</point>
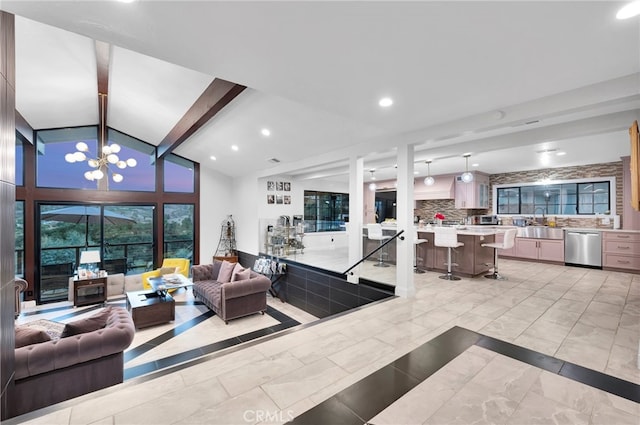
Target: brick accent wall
<point>427,209</point>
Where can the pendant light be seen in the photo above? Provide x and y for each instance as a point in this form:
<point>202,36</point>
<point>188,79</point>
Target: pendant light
<point>429,181</point>
<point>372,185</point>
<point>467,177</point>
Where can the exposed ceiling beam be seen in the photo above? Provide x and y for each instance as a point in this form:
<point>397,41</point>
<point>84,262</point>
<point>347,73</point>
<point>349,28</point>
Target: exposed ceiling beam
<point>103,54</point>
<point>215,97</point>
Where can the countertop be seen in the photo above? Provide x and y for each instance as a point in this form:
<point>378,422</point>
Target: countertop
<point>480,230</point>
<point>598,229</point>
<point>469,230</point>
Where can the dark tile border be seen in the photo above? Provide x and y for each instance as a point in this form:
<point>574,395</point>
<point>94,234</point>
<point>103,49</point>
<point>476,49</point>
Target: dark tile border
<point>190,355</point>
<point>371,395</point>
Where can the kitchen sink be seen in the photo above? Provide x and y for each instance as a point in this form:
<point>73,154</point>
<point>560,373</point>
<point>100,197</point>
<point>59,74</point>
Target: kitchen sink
<point>540,232</point>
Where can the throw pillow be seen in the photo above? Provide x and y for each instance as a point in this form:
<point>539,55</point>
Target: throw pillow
<point>90,324</point>
<point>27,336</point>
<point>168,270</point>
<point>226,269</point>
<point>237,268</point>
<point>240,273</point>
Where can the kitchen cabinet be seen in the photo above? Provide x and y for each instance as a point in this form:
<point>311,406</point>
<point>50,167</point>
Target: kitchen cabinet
<point>621,250</point>
<point>472,195</point>
<point>540,249</point>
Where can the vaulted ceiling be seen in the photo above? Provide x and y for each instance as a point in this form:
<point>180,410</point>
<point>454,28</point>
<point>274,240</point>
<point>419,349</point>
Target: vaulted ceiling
<point>503,81</point>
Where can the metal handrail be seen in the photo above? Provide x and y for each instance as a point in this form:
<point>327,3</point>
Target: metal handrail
<point>374,251</point>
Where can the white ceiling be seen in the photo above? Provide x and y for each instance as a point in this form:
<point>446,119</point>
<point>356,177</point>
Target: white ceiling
<point>464,76</point>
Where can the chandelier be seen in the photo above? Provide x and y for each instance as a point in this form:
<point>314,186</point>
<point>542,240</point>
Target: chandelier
<point>108,158</point>
<point>108,155</point>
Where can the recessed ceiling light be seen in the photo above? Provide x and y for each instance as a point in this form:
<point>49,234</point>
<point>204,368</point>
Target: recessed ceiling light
<point>265,132</point>
<point>629,11</point>
<point>416,172</point>
<point>126,1</point>
<point>475,165</point>
<point>234,147</point>
<point>561,153</point>
<point>385,102</point>
<point>213,158</point>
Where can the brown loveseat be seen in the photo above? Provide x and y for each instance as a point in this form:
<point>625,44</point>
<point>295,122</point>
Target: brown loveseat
<point>57,370</point>
<point>232,299</point>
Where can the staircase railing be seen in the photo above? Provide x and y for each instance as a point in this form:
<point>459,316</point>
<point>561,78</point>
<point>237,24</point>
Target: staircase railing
<point>394,237</point>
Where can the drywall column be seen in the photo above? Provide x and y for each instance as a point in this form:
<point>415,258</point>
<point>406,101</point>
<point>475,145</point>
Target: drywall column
<point>356,206</point>
<point>7,208</point>
<point>404,217</point>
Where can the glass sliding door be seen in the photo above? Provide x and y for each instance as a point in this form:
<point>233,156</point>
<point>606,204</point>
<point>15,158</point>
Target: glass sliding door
<point>179,231</point>
<point>62,236</point>
<point>128,238</point>
<point>122,234</point>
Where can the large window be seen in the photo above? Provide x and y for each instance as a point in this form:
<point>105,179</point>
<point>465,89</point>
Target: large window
<point>52,168</point>
<point>142,177</point>
<point>325,211</point>
<point>567,198</point>
<point>19,259</point>
<point>54,171</point>
<point>178,174</point>
<point>179,231</point>
<point>123,234</point>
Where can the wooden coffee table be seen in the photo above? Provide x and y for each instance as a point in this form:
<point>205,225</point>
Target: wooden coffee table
<point>150,308</point>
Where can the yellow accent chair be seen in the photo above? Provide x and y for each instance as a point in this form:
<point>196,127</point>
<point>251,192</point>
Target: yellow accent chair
<point>169,265</point>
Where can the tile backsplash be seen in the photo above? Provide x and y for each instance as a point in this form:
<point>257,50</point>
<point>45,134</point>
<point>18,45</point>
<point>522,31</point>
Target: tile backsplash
<point>427,209</point>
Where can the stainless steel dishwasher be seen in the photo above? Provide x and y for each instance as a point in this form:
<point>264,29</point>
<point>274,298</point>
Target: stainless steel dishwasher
<point>583,248</point>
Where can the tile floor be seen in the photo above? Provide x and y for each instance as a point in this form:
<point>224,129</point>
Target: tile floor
<point>590,318</point>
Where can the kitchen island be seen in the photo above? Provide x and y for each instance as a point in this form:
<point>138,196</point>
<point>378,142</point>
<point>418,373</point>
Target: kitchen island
<point>472,258</point>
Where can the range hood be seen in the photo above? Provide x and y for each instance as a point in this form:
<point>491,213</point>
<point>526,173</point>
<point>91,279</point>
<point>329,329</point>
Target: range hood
<point>443,188</point>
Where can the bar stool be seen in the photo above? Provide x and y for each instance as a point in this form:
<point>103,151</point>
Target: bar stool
<point>447,237</point>
<point>374,233</point>
<point>416,242</point>
<point>507,242</point>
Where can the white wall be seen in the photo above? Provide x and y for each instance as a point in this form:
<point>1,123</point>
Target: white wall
<point>245,201</point>
<point>248,200</point>
<point>215,191</point>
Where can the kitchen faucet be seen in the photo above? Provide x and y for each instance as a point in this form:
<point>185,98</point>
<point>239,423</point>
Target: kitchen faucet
<point>544,219</point>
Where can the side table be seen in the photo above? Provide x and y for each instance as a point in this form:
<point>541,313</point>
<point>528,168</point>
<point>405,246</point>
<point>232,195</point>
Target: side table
<point>89,291</point>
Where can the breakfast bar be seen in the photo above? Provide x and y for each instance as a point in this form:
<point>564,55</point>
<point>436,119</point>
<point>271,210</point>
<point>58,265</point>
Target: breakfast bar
<point>472,259</point>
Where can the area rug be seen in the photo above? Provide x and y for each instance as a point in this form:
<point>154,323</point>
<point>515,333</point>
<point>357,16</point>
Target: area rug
<point>54,329</point>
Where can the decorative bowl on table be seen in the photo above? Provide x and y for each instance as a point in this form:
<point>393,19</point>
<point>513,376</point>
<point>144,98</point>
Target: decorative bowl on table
<point>171,278</point>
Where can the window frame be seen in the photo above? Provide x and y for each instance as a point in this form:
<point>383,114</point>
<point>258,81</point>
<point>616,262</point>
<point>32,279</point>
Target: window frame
<point>177,160</point>
<point>591,180</point>
<point>312,225</point>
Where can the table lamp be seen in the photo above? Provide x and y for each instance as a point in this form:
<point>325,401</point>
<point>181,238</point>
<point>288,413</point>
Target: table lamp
<point>91,258</point>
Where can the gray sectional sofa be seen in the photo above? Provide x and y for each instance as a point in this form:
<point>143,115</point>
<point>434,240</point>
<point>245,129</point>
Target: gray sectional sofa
<point>84,362</point>
<point>230,300</point>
